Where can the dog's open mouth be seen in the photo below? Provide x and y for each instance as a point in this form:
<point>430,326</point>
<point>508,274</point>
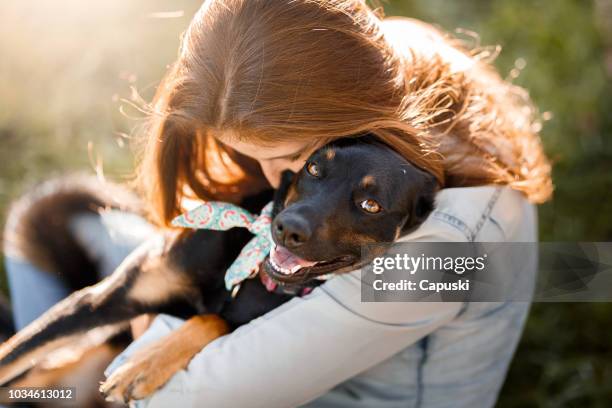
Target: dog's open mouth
<point>285,267</point>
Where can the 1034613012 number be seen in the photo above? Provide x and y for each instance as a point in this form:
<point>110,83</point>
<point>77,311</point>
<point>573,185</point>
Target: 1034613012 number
<point>34,394</point>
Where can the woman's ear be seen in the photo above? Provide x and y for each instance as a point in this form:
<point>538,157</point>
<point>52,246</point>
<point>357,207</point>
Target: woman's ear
<point>423,203</point>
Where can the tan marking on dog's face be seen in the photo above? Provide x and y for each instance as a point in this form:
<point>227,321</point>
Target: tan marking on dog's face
<point>291,195</point>
<point>357,238</point>
<point>325,232</point>
<point>330,154</point>
<point>367,181</point>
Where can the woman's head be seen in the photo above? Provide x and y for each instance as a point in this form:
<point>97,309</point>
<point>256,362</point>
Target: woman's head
<point>260,84</point>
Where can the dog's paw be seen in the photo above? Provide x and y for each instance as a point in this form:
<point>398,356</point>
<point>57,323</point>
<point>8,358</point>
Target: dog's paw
<point>140,376</point>
<point>150,368</point>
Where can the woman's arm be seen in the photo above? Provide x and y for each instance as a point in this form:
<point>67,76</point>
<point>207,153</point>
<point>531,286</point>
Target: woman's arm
<point>300,351</point>
<point>305,347</point>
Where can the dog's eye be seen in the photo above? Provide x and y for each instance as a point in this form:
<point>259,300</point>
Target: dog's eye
<point>370,206</point>
<point>313,169</point>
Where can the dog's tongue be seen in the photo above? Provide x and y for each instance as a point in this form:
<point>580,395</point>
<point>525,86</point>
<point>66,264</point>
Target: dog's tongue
<point>289,262</point>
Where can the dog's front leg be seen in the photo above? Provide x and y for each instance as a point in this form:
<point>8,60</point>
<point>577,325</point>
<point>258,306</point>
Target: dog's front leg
<point>91,315</point>
<point>151,367</point>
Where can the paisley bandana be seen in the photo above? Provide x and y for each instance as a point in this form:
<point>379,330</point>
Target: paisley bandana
<point>220,216</point>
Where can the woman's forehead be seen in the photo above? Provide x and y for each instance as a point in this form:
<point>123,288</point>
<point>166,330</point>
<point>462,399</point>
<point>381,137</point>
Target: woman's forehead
<point>260,150</point>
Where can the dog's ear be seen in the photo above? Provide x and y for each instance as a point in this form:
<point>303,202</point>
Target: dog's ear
<point>423,203</point>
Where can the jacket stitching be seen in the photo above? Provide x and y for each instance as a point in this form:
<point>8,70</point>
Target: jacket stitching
<point>454,221</point>
<point>498,225</point>
<point>486,213</point>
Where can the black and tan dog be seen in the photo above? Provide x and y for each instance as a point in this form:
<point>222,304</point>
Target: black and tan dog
<point>352,192</point>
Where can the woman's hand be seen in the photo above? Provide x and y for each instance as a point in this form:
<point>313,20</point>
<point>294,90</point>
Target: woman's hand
<point>140,324</point>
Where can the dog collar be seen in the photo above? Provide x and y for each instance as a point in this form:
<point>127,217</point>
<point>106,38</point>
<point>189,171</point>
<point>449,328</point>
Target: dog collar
<point>221,216</point>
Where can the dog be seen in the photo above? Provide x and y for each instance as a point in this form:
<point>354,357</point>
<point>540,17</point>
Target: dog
<point>352,192</point>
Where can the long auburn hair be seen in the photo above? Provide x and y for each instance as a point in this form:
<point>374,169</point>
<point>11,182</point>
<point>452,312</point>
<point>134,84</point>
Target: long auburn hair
<point>317,70</point>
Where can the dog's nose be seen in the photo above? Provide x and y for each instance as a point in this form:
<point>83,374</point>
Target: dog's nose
<point>290,231</point>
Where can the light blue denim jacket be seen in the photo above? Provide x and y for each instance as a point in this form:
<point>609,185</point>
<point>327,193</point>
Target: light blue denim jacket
<point>329,349</point>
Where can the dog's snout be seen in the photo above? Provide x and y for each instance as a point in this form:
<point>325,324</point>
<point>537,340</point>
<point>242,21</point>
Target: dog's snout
<point>291,231</point>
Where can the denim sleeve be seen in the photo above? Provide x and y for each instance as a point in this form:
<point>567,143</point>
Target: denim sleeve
<point>302,349</point>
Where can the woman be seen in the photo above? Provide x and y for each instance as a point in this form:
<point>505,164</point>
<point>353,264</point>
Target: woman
<point>258,85</point>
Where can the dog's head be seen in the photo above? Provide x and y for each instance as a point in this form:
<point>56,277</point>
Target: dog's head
<point>349,193</point>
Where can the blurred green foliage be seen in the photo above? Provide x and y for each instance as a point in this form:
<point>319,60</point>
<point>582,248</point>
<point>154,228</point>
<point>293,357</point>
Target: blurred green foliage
<point>67,68</point>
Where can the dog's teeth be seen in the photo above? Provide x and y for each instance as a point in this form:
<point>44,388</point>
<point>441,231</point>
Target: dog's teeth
<point>283,270</point>
<point>279,268</point>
